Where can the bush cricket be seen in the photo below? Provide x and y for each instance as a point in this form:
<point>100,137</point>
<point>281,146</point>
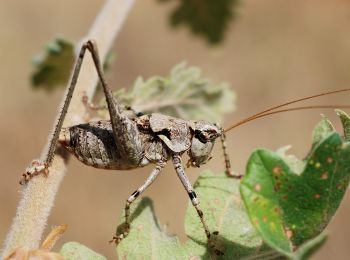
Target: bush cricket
<point>130,142</point>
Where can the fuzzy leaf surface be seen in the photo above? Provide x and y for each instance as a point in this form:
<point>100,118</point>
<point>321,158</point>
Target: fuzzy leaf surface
<point>345,119</point>
<point>184,94</point>
<point>223,211</point>
<point>77,251</point>
<point>322,128</point>
<point>146,239</point>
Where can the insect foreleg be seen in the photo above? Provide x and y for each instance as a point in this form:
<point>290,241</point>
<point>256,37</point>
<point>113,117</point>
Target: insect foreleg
<point>126,134</point>
<point>188,186</point>
<point>126,225</point>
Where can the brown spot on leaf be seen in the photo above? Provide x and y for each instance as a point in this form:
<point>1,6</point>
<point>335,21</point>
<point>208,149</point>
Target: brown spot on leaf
<point>329,159</point>
<point>285,197</point>
<point>264,218</point>
<point>324,176</point>
<point>276,210</point>
<point>317,196</point>
<point>257,187</point>
<point>340,186</point>
<point>277,170</point>
<point>277,186</point>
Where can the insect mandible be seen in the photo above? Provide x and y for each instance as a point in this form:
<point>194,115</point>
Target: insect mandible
<point>128,142</point>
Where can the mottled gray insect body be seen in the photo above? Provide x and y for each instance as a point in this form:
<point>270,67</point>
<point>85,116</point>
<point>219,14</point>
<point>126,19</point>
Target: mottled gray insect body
<point>93,143</point>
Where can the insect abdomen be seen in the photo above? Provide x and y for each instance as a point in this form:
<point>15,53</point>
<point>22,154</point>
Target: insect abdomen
<point>93,144</point>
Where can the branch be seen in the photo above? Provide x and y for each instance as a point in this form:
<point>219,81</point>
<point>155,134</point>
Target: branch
<point>38,196</point>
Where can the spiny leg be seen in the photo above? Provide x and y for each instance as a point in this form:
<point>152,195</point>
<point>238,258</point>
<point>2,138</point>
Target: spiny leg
<point>124,229</point>
<point>89,105</point>
<point>188,187</point>
<point>195,201</point>
<point>228,169</point>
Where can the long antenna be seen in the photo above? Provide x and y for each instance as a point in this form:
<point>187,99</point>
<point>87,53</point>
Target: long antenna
<point>266,111</point>
<point>283,110</point>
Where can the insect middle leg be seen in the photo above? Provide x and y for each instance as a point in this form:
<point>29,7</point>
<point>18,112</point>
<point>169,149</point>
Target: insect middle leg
<point>126,225</point>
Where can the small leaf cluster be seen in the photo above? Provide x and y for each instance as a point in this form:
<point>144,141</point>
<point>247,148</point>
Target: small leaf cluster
<point>183,94</point>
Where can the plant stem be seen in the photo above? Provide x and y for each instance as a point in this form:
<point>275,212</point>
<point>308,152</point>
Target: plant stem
<point>38,196</point>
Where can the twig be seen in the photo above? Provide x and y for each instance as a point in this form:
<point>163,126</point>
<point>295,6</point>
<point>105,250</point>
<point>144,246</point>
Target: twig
<point>38,196</point>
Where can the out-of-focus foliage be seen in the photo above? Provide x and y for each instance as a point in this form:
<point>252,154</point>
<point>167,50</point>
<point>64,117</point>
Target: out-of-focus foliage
<point>207,18</point>
<point>53,67</point>
<point>184,93</point>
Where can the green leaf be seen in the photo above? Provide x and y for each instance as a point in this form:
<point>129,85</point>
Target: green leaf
<point>53,68</point>
<point>184,93</point>
<point>223,211</point>
<point>289,209</point>
<point>293,162</point>
<point>206,18</point>
<point>76,251</point>
<point>345,119</point>
<point>146,239</point>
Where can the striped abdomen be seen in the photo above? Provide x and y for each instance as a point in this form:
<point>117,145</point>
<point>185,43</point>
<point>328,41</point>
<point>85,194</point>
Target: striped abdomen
<point>93,144</point>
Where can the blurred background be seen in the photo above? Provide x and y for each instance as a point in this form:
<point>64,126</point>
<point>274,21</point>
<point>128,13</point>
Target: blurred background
<point>274,51</point>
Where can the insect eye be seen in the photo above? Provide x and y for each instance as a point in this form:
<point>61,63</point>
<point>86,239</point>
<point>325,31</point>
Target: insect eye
<point>201,136</point>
